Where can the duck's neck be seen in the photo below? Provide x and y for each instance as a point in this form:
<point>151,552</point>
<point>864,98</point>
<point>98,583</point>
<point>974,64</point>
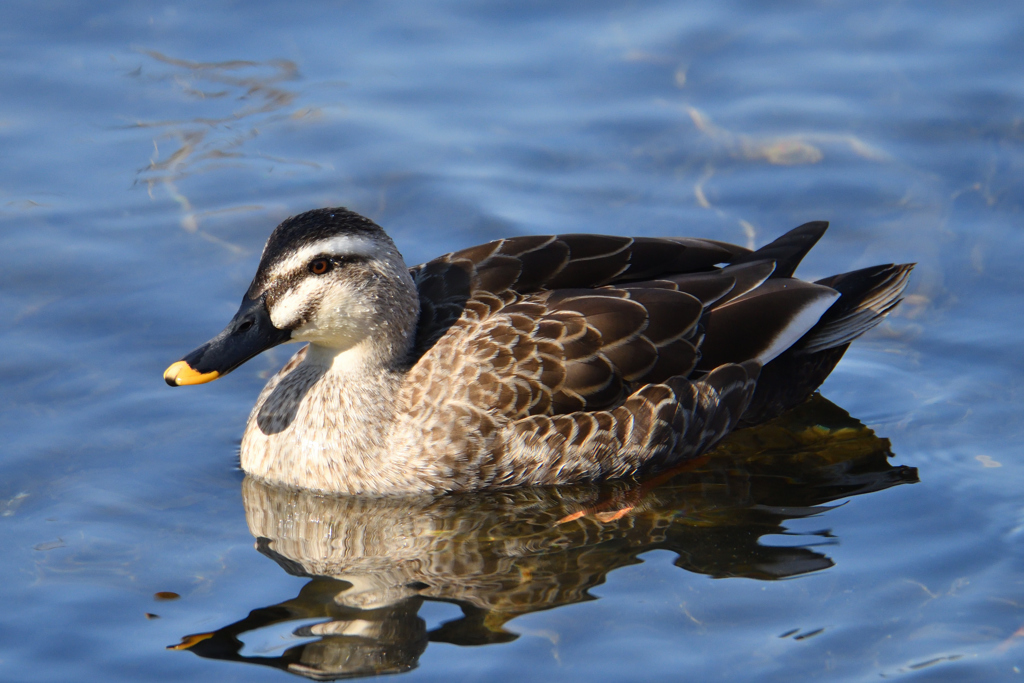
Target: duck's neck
<point>358,363</point>
<point>351,397</point>
<point>323,421</point>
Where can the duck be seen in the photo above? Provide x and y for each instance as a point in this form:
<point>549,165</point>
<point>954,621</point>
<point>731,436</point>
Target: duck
<point>534,360</point>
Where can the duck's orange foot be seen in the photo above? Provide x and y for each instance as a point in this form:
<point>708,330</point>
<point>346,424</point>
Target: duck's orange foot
<point>612,515</point>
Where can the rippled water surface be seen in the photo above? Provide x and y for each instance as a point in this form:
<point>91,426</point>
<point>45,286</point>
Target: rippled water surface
<point>149,148</point>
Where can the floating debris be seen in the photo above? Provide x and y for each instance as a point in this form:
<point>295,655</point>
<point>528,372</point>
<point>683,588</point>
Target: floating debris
<point>51,545</point>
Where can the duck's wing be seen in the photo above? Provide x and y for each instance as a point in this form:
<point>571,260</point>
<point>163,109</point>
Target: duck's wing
<point>756,310</point>
<point>556,352</point>
<point>532,263</point>
<point>593,347</point>
<point>522,265</point>
<point>788,250</point>
<point>658,426</point>
<point>573,350</point>
<point>555,325</point>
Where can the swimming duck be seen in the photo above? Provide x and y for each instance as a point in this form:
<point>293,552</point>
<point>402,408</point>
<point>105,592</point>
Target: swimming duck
<point>531,360</point>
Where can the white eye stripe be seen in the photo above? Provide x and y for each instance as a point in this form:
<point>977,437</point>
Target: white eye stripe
<point>340,245</point>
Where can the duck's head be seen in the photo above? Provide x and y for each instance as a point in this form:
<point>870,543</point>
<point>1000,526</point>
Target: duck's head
<point>330,277</point>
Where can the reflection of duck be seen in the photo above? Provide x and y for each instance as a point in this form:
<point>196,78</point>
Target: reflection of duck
<point>373,561</point>
<point>530,360</point>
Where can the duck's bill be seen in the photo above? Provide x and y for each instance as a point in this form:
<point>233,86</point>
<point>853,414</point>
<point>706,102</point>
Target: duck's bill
<point>249,333</point>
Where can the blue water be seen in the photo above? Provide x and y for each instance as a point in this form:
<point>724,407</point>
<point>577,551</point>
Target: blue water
<point>149,148</point>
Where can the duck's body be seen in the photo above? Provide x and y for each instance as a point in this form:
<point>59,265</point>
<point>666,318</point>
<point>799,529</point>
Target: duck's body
<point>531,360</point>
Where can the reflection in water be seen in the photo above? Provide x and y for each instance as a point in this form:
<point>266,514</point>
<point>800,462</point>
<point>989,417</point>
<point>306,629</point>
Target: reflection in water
<point>373,562</point>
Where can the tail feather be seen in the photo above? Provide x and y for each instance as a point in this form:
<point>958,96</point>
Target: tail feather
<point>789,250</point>
<point>866,297</point>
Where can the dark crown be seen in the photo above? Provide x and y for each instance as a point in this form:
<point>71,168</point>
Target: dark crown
<point>308,228</point>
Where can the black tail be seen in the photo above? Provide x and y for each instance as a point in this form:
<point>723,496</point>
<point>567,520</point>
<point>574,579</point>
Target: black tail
<point>788,250</point>
<point>866,296</point>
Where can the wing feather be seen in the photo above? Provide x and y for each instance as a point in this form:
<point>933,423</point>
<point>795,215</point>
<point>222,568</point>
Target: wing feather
<point>558,324</point>
<point>658,426</point>
<point>602,356</point>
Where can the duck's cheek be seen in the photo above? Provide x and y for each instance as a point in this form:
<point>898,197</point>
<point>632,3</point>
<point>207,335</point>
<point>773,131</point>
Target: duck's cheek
<point>294,306</point>
<point>337,317</point>
<point>337,331</point>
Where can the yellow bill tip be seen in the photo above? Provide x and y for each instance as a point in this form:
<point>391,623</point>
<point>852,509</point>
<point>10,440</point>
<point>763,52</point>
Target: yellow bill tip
<point>181,373</point>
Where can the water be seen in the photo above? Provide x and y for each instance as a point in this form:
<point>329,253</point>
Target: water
<point>148,149</point>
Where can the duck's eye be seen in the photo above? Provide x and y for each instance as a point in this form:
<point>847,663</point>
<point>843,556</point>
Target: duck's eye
<point>319,266</point>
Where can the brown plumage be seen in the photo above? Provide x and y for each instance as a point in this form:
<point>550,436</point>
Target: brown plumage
<point>529,360</point>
